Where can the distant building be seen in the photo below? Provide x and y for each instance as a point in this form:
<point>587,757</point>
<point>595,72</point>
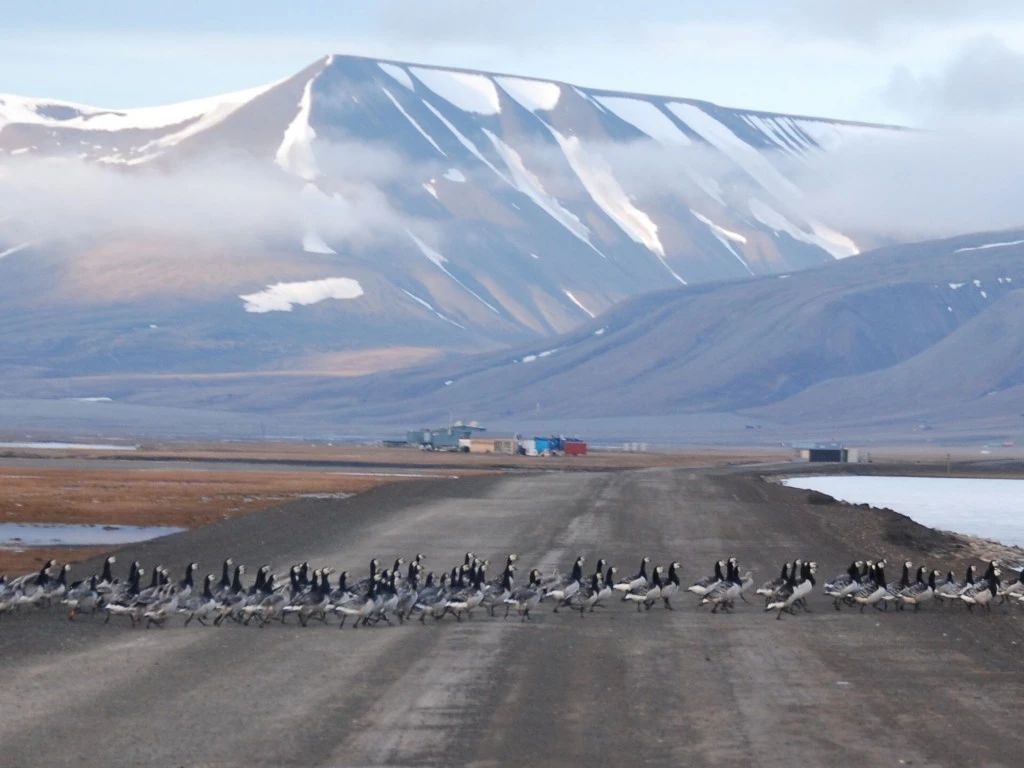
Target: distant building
<point>827,452</point>
<point>553,446</point>
<point>443,438</point>
<point>503,445</point>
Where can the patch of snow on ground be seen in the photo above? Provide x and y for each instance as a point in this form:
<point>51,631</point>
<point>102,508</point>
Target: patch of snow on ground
<point>977,283</point>
<point>454,174</point>
<point>532,95</point>
<point>429,186</point>
<point>540,355</point>
<point>577,302</point>
<point>646,118</point>
<point>397,73</point>
<point>14,249</point>
<point>71,446</point>
<point>597,178</point>
<point>466,142</point>
<point>957,286</point>
<point>732,146</point>
<point>439,261</point>
<point>600,331</point>
<point>779,223</point>
<point>281,297</point>
<point>978,507</point>
<point>295,154</point>
<point>415,125</point>
<point>467,91</point>
<point>93,399</point>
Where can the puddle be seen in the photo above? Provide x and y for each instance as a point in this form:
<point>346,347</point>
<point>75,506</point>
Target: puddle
<point>71,446</point>
<point>17,535</point>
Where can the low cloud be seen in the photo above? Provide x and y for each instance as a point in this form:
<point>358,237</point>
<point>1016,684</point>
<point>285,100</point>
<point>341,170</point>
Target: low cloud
<point>225,197</point>
<point>964,177</point>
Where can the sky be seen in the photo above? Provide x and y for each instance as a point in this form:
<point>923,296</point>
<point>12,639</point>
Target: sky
<point>912,62</point>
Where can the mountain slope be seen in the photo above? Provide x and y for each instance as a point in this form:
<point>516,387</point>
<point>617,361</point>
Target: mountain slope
<point>473,210</point>
<point>893,336</point>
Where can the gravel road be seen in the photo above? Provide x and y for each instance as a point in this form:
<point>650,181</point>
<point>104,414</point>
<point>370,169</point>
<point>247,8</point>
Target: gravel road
<point>613,688</point>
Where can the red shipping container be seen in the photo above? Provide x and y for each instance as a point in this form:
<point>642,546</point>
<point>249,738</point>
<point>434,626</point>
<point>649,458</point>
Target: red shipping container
<point>574,448</point>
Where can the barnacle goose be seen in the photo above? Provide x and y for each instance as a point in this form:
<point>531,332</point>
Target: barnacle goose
<point>701,587</point>
<point>919,593</point>
<point>844,584</point>
<point>639,580</point>
<point>525,598</point>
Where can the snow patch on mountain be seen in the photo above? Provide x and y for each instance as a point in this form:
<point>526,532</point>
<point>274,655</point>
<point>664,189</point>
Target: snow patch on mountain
<point>281,297</point>
<point>466,142</point>
<point>725,237</point>
<point>439,261</point>
<point>454,174</point>
<point>412,120</point>
<point>989,245</point>
<point>577,302</point>
<point>427,305</point>
<point>531,186</point>
<point>732,146</point>
<point>646,118</point>
<point>295,154</point>
<point>13,250</point>
<point>469,92</point>
<point>313,243</point>
<point>827,239</point>
<point>532,95</point>
<point>397,73</point>
<point>599,181</point>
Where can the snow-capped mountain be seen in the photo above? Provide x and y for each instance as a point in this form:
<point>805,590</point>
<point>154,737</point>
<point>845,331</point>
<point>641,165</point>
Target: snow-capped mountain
<point>415,209</point>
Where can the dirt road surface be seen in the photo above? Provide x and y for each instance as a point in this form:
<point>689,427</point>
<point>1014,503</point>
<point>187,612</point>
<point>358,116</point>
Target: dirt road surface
<point>615,688</point>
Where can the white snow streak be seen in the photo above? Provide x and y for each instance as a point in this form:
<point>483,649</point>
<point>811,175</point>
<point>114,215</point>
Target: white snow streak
<point>832,242</point>
<point>14,249</point>
<point>732,146</point>
<point>439,261</point>
<point>396,73</point>
<point>604,189</point>
<point>532,95</point>
<point>988,245</point>
<point>466,142</point>
<point>295,154</point>
<point>415,125</point>
<point>280,297</point>
<point>646,118</point>
<point>469,92</point>
<point>577,302</point>
<point>531,186</point>
<point>724,236</point>
<point>454,174</point>
<point>430,307</point>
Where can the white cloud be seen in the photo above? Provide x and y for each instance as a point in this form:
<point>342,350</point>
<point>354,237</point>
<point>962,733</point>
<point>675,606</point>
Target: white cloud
<point>233,197</point>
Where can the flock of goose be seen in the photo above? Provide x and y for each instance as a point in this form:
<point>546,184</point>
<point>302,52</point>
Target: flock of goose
<point>405,593</point>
